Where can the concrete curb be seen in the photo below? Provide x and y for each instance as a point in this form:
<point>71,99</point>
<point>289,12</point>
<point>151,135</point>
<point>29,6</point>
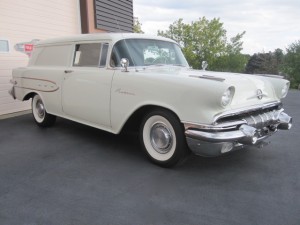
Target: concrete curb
<point>10,115</point>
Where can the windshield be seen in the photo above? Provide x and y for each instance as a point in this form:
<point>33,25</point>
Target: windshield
<point>147,52</point>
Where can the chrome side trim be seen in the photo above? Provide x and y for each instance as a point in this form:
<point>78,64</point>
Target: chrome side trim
<point>269,75</point>
<point>208,77</point>
<point>222,126</point>
<point>229,136</point>
<point>245,135</point>
<point>35,89</point>
<point>54,87</point>
<point>246,110</point>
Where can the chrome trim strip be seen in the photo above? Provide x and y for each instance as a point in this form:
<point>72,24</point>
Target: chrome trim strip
<point>34,89</point>
<point>221,126</point>
<point>262,120</point>
<point>215,137</point>
<point>209,77</point>
<point>269,75</point>
<point>255,123</point>
<point>267,116</point>
<point>245,110</point>
<point>244,135</point>
<point>33,78</point>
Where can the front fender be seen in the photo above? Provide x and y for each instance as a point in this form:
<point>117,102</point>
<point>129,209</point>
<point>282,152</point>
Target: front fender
<point>191,99</point>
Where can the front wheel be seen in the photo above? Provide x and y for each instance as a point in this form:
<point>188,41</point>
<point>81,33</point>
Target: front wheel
<point>162,138</point>
<point>41,117</point>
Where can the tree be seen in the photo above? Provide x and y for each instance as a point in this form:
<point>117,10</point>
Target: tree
<point>137,26</point>
<point>291,65</point>
<point>206,40</point>
<point>265,63</point>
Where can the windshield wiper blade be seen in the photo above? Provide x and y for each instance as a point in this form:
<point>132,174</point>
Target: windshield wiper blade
<point>157,64</point>
<point>178,65</point>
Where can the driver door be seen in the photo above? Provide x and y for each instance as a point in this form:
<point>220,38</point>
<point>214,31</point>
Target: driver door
<point>86,85</point>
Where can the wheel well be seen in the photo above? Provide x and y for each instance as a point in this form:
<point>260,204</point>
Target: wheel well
<point>29,96</point>
<point>134,121</point>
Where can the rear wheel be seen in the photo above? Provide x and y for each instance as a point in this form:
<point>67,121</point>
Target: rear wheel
<point>41,117</point>
<point>162,138</point>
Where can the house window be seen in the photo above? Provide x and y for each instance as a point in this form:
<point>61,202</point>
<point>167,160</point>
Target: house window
<point>4,45</point>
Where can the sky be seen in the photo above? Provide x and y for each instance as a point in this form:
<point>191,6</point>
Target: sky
<point>269,24</point>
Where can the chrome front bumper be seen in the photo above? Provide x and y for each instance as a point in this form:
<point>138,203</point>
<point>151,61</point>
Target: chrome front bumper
<point>213,140</point>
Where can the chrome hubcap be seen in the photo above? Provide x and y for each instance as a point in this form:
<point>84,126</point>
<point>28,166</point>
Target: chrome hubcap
<point>40,109</point>
<point>161,138</point>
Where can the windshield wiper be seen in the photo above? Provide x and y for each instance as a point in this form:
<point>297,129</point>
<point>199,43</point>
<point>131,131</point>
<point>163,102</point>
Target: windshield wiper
<point>178,65</point>
<point>156,65</point>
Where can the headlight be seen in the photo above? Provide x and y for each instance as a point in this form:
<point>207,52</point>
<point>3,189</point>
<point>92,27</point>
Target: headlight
<point>285,90</point>
<point>227,96</point>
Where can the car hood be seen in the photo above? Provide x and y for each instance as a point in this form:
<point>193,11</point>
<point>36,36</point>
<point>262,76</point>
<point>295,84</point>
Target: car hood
<point>246,86</point>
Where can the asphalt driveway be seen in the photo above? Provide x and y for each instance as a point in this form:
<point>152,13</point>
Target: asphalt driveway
<point>74,174</point>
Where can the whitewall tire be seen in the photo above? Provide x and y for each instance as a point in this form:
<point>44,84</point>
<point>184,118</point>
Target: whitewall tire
<point>41,117</point>
<point>162,138</point>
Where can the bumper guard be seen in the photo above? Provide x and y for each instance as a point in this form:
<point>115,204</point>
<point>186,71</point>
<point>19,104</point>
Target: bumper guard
<point>210,140</point>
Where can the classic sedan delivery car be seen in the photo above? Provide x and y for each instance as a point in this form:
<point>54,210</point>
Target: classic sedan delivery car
<point>109,81</point>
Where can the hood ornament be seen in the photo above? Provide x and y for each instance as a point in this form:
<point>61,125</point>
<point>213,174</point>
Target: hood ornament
<point>259,94</point>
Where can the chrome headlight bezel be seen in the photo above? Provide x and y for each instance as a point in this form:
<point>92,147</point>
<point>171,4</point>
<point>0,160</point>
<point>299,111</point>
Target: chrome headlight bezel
<point>285,90</point>
<point>227,96</point>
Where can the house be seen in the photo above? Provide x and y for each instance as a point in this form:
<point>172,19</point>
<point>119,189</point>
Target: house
<point>22,23</point>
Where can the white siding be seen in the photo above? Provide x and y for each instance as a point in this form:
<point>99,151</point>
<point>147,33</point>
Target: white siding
<point>22,21</point>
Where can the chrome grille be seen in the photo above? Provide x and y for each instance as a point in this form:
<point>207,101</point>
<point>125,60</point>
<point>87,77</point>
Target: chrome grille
<point>262,119</point>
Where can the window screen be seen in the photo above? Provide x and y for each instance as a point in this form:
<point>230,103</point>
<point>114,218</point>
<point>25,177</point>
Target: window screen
<point>4,46</point>
<point>87,55</point>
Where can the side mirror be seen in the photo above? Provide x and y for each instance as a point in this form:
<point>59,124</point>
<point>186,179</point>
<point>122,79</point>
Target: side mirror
<point>125,63</point>
<point>204,65</point>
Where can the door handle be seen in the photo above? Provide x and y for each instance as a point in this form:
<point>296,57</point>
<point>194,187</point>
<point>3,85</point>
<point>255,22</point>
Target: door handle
<point>69,71</point>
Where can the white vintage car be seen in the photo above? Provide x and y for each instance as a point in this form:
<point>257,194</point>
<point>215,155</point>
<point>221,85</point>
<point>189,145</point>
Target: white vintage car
<point>111,81</point>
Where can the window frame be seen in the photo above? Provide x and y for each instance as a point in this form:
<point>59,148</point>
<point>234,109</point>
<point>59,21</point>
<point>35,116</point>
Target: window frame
<point>8,45</point>
<point>125,40</point>
<point>102,43</point>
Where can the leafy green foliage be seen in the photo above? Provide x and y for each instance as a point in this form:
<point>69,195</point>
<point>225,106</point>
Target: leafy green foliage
<point>137,26</point>
<point>291,64</point>
<point>278,63</point>
<point>265,63</point>
<point>206,40</point>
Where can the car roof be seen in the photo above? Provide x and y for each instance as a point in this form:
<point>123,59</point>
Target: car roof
<point>114,37</point>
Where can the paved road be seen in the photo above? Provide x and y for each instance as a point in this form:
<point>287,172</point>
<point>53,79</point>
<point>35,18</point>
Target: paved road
<point>74,174</point>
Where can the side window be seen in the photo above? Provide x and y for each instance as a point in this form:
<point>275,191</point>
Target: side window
<point>104,51</point>
<point>58,55</point>
<point>87,55</point>
<point>4,45</point>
